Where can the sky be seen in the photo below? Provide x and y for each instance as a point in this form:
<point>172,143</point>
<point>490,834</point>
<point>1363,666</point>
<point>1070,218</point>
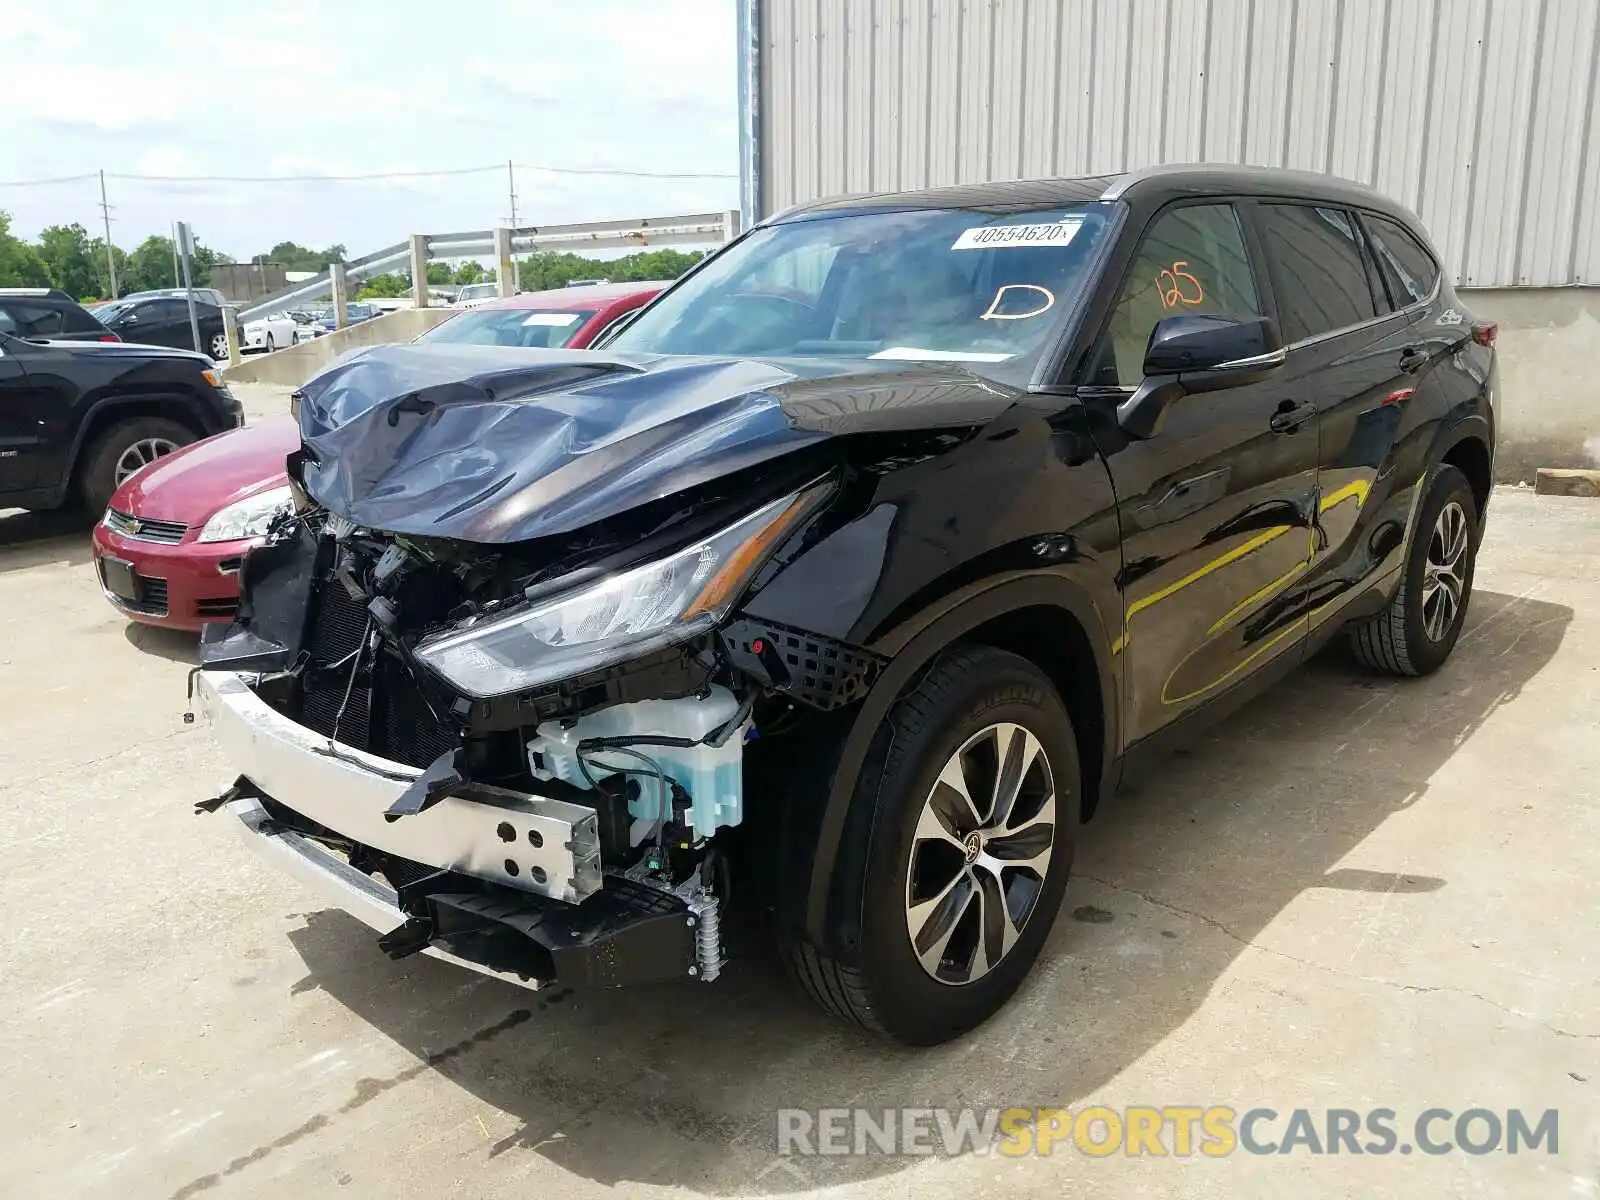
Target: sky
<point>311,87</point>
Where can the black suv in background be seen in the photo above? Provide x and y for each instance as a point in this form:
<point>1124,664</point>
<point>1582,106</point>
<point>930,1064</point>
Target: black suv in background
<point>49,313</point>
<point>164,321</point>
<point>77,418</point>
<point>848,578</point>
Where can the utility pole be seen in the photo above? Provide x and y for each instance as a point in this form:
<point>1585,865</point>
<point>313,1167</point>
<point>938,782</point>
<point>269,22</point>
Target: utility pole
<point>105,214</point>
<point>511,184</point>
<point>177,279</point>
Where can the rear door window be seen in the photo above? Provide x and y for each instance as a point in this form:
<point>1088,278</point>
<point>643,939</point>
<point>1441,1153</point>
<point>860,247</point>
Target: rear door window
<point>30,320</point>
<point>1318,273</point>
<point>1408,267</point>
<point>1192,261</point>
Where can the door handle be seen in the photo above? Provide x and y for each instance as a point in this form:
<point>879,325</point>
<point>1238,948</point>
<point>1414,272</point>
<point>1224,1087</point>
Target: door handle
<point>1290,416</point>
<point>1413,359</point>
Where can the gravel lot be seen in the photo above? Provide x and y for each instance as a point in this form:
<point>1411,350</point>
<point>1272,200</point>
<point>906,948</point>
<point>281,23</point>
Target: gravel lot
<point>1357,892</point>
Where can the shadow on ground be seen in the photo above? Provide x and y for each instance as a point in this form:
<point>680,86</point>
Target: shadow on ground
<point>678,1086</point>
<point>174,645</point>
<point>31,539</point>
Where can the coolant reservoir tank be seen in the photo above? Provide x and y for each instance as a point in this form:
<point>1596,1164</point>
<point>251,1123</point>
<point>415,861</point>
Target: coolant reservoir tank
<point>713,776</point>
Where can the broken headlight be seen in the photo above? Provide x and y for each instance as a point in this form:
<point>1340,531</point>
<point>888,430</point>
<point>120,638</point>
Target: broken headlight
<point>622,616</point>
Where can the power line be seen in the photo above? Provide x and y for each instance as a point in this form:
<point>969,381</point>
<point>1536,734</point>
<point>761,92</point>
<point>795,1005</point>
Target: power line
<point>300,178</point>
<point>615,172</point>
<point>42,182</point>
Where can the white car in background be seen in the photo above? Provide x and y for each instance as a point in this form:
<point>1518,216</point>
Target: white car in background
<point>272,332</point>
<point>473,294</point>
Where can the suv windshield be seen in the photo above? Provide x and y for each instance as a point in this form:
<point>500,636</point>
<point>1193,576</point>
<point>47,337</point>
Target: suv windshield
<point>942,284</point>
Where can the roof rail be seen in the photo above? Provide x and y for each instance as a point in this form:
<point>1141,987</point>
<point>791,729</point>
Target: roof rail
<point>43,293</point>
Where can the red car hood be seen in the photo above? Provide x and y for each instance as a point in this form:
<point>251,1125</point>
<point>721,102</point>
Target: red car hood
<point>191,484</point>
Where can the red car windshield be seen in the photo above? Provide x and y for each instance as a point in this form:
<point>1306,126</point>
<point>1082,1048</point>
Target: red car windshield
<point>549,329</point>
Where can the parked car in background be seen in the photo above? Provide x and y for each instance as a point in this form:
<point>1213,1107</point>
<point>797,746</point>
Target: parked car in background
<point>573,317</point>
<point>77,418</point>
<point>207,294</point>
<point>163,320</point>
<point>322,323</point>
<point>476,293</point>
<point>920,519</point>
<point>49,313</point>
<point>272,332</point>
<point>168,547</point>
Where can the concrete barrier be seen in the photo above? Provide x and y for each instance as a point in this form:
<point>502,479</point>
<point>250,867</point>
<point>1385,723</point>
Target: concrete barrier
<point>1550,403</point>
<point>293,365</point>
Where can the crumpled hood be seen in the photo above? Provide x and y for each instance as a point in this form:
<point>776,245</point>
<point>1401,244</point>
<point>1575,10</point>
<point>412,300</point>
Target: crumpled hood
<point>500,444</point>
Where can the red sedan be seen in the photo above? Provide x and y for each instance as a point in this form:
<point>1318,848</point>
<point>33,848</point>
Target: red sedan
<point>570,317</point>
<point>169,547</point>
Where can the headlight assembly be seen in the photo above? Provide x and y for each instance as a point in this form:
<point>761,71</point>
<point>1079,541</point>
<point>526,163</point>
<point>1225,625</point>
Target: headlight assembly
<point>247,518</point>
<point>623,616</point>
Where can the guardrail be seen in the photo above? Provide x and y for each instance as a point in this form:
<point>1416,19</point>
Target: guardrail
<point>691,229</point>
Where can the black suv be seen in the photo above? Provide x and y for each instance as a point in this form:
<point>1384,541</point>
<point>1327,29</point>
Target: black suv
<point>49,313</point>
<point>77,418</point>
<point>849,577</point>
<point>163,320</point>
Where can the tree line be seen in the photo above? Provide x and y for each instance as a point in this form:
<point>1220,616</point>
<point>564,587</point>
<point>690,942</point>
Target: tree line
<point>67,257</point>
<point>542,270</point>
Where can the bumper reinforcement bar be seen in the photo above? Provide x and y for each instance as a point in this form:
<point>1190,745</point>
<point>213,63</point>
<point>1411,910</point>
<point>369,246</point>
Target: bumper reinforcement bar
<point>624,935</point>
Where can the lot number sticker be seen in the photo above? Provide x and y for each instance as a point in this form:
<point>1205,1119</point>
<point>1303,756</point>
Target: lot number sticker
<point>994,237</point>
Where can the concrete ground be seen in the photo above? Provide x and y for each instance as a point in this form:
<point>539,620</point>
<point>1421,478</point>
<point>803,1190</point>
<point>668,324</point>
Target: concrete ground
<point>1356,893</point>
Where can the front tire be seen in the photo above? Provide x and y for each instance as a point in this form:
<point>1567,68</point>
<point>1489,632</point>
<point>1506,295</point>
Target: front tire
<point>969,806</point>
<point>1416,632</point>
<point>270,346</point>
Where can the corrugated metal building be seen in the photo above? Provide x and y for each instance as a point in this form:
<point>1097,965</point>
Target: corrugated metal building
<point>1481,115</point>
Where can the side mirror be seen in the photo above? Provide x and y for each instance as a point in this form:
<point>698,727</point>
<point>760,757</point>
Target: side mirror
<point>129,318</point>
<point>1193,353</point>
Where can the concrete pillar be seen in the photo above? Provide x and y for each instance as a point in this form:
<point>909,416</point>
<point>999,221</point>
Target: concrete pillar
<point>341,295</point>
<point>230,324</point>
<point>419,270</point>
<point>731,223</point>
<point>504,267</point>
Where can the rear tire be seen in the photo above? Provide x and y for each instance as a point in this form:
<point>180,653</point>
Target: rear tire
<point>111,454</point>
<point>270,346</point>
<point>1416,632</point>
<point>934,958</point>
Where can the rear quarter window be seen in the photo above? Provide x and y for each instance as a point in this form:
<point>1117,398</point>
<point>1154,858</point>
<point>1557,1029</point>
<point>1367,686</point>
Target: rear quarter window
<point>78,320</point>
<point>1407,267</point>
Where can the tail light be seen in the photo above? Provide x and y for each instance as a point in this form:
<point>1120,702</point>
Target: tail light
<point>108,337</point>
<point>1485,332</point>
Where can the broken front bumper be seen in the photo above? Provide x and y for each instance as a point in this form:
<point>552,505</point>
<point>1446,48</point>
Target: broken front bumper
<point>542,913</point>
<point>530,843</point>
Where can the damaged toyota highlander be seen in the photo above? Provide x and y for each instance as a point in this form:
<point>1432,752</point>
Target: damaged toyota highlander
<point>845,582</point>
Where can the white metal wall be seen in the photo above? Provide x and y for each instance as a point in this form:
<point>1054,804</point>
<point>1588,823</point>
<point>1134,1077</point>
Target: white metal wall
<point>1481,115</point>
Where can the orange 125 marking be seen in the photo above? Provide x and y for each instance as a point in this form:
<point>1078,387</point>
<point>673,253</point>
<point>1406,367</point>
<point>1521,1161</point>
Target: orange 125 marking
<point>1176,286</point>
